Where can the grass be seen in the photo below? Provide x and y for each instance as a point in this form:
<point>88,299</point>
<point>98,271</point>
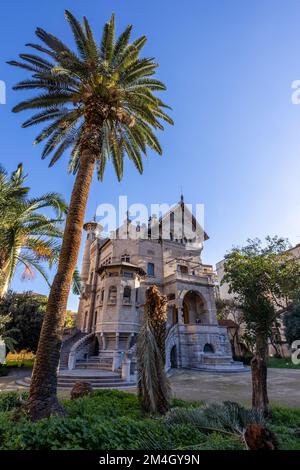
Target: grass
<point>282,363</point>
<point>110,420</point>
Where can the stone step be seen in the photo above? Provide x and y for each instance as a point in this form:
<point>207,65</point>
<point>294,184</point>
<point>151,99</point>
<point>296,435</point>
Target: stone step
<point>89,365</point>
<point>68,381</point>
<point>218,368</point>
<point>89,379</point>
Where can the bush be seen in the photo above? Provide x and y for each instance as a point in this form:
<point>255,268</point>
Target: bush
<point>110,419</point>
<point>11,400</point>
<point>3,370</point>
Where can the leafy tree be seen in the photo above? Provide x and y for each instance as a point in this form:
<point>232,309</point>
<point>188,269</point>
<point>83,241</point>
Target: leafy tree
<point>264,279</point>
<point>25,312</point>
<point>6,332</point>
<point>291,321</point>
<point>101,104</point>
<point>69,319</point>
<point>153,384</point>
<point>27,236</point>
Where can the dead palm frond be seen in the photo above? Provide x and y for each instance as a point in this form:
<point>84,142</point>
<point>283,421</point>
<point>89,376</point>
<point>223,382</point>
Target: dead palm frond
<point>153,384</point>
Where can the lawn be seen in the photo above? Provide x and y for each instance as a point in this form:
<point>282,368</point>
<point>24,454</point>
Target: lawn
<point>113,420</point>
<point>282,363</point>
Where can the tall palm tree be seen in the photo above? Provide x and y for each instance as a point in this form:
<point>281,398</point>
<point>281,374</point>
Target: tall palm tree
<point>100,104</point>
<point>27,237</point>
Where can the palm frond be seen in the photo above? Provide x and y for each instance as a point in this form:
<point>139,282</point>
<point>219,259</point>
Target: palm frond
<point>110,87</point>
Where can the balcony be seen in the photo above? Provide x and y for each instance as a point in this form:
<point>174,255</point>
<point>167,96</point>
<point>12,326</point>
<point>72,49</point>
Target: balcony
<point>201,277</point>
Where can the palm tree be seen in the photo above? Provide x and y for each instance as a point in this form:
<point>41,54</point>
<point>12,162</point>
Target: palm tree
<point>100,104</point>
<point>27,237</point>
<point>153,384</point>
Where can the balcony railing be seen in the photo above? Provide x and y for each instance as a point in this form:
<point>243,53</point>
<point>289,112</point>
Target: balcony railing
<point>200,277</point>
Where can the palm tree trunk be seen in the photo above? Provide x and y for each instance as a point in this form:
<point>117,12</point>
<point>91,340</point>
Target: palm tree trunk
<point>4,277</point>
<point>42,397</point>
<point>260,400</point>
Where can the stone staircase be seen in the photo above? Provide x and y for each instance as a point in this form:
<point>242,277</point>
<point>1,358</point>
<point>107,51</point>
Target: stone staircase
<point>66,347</point>
<point>98,380</point>
<point>95,362</point>
<point>213,363</point>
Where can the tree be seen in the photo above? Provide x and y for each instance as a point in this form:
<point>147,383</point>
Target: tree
<point>101,104</point>
<point>25,311</point>
<point>153,384</point>
<point>27,237</point>
<point>265,280</point>
<point>291,321</point>
<point>6,333</point>
<point>70,319</point>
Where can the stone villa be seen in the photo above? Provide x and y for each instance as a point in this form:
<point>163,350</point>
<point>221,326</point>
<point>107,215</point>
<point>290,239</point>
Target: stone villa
<point>116,271</point>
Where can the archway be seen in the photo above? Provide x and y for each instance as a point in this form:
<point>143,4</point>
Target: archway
<point>208,348</point>
<point>173,357</point>
<point>193,308</point>
<point>96,346</point>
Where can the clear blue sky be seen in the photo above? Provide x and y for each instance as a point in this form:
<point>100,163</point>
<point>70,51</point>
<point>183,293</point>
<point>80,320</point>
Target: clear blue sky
<point>235,145</point>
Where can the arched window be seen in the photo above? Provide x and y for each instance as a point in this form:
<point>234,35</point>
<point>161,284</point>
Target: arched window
<point>85,320</point>
<point>208,348</point>
<point>127,294</point>
<point>112,295</point>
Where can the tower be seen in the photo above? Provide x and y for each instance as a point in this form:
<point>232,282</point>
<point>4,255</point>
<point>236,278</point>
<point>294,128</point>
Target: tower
<point>93,231</point>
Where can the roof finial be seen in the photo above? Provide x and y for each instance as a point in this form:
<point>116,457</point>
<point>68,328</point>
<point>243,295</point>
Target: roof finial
<point>181,196</point>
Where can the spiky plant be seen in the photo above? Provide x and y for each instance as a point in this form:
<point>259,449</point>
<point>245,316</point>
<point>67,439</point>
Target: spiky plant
<point>229,418</point>
<point>100,101</point>
<point>153,384</point>
<point>27,236</point>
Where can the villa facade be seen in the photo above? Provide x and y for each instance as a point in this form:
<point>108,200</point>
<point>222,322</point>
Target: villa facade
<point>116,272</point>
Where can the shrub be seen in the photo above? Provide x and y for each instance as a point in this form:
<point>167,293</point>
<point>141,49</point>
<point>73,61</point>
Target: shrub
<point>3,370</point>
<point>11,400</point>
<point>109,420</point>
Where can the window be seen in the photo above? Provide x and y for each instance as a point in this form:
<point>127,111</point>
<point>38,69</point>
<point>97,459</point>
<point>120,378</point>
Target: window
<point>112,295</point>
<point>171,296</point>
<point>208,348</point>
<point>125,258</point>
<point>150,269</point>
<point>182,269</point>
<point>136,295</point>
<point>127,294</point>
<point>127,274</point>
<point>85,320</point>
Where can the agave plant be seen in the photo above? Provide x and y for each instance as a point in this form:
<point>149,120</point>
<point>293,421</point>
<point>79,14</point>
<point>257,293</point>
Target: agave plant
<point>100,102</point>
<point>153,384</point>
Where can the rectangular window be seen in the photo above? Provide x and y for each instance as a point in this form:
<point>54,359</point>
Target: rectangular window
<point>150,269</point>
<point>183,269</point>
<point>128,275</point>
